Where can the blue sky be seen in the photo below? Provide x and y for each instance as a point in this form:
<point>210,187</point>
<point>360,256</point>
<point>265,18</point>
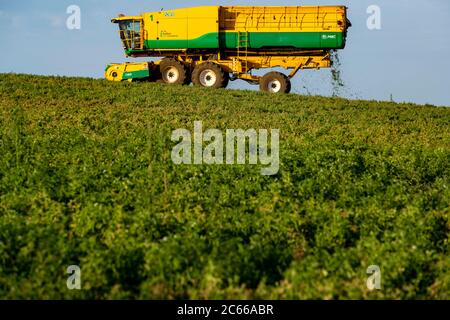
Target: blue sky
<point>408,57</point>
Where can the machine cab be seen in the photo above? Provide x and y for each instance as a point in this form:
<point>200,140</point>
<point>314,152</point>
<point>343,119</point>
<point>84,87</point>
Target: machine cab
<point>131,31</point>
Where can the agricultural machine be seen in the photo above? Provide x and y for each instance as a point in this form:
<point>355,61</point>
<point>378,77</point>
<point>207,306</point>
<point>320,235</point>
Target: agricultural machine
<point>211,45</point>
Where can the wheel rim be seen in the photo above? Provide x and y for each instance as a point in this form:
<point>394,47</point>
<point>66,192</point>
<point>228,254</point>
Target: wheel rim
<point>274,86</point>
<point>208,78</point>
<point>172,75</point>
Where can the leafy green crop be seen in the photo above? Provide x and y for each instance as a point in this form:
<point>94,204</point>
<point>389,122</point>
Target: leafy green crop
<point>86,179</point>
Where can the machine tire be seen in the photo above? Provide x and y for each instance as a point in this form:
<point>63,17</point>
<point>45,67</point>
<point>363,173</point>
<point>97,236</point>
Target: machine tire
<point>173,72</point>
<point>226,81</point>
<point>210,75</point>
<point>275,82</point>
<point>155,73</point>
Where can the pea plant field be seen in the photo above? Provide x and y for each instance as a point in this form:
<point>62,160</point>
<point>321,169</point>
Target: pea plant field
<point>86,179</point>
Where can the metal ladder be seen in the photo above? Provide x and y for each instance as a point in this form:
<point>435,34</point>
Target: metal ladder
<point>242,49</point>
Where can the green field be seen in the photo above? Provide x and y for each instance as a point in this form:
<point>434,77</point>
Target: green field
<point>86,179</point>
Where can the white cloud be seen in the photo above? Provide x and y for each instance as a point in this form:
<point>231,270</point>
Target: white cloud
<point>17,22</point>
<point>49,19</point>
<point>56,21</point>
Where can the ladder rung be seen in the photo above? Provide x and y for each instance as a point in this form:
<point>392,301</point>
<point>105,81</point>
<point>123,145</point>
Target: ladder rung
<point>242,48</point>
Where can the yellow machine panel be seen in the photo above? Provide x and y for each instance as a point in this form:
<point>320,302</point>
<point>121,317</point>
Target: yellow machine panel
<point>182,28</point>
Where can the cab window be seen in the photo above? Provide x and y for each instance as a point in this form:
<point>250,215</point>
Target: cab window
<point>130,33</point>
